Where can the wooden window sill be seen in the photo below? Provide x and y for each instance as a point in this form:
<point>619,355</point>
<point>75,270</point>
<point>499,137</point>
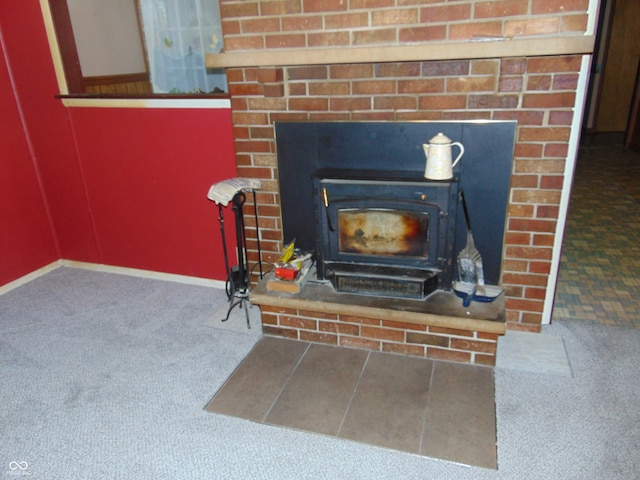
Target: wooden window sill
<point>146,101</point>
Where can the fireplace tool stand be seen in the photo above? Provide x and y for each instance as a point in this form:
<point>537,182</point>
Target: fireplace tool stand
<point>238,283</point>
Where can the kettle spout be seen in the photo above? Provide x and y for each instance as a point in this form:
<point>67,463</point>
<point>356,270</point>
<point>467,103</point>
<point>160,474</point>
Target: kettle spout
<point>425,147</point>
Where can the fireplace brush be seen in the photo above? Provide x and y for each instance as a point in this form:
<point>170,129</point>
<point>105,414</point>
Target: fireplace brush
<point>470,267</point>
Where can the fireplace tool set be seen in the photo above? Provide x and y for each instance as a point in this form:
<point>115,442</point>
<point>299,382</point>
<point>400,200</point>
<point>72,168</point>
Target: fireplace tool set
<point>238,283</point>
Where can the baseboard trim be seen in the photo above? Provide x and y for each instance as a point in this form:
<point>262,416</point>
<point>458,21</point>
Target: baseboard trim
<point>96,267</point>
<point>135,272</point>
<point>18,282</point>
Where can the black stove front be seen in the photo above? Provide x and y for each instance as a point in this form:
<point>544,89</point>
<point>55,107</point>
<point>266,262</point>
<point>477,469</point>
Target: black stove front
<point>384,233</point>
<point>391,153</point>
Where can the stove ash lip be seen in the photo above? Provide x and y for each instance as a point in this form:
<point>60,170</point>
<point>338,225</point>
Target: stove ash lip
<point>383,280</point>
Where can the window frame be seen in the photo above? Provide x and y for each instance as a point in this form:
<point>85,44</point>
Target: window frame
<point>69,75</point>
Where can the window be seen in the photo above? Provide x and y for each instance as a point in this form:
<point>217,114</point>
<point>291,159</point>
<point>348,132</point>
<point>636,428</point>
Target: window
<point>138,48</point>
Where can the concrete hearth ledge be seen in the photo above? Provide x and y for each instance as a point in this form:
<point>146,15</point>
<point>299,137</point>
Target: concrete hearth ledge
<point>440,309</point>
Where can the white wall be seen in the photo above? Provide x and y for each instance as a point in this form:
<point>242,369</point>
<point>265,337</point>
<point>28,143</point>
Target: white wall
<point>107,36</point>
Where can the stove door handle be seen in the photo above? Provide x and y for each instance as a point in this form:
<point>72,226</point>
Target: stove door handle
<point>325,201</point>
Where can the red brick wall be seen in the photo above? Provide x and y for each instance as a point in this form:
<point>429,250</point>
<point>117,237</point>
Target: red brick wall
<point>250,25</point>
<point>452,344</point>
<point>538,92</point>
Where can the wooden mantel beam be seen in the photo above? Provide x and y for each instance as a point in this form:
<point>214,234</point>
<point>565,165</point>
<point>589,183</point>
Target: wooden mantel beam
<point>483,48</point>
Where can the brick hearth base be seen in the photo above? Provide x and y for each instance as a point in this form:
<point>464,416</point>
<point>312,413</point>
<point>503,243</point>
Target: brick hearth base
<point>438,327</point>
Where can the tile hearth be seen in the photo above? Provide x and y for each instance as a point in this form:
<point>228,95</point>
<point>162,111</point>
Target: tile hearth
<point>425,407</point>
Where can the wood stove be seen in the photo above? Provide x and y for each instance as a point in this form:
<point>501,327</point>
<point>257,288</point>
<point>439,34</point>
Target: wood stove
<point>384,233</point>
<point>391,152</point>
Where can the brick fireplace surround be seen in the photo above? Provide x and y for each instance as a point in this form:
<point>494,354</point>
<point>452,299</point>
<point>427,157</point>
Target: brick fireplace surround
<point>406,60</point>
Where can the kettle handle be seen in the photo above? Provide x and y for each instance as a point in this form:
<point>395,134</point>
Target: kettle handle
<point>459,155</point>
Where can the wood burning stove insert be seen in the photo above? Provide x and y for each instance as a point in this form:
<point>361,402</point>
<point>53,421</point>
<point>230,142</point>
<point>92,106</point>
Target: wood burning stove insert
<point>394,150</point>
<point>384,233</point>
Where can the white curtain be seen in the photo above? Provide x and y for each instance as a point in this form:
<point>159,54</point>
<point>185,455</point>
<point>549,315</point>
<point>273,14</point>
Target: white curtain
<point>178,34</point>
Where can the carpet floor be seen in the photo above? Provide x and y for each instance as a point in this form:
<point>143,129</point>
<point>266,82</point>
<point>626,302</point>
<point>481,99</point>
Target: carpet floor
<point>105,376</point>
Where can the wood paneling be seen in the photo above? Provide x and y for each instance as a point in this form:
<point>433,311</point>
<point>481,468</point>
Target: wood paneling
<point>132,84</point>
<point>620,68</point>
<point>633,132</point>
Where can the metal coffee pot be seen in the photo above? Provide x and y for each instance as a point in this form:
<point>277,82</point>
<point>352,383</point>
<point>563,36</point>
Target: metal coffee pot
<point>438,153</point>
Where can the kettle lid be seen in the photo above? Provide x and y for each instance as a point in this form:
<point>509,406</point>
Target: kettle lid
<point>441,139</point>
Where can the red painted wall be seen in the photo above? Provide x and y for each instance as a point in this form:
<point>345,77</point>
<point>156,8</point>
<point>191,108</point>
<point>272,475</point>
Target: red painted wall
<point>147,174</point>
<point>48,127</point>
<point>26,237</point>
<point>124,187</point>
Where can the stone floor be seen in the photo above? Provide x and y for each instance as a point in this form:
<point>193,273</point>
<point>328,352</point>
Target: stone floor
<point>431,408</point>
<point>599,276</point>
